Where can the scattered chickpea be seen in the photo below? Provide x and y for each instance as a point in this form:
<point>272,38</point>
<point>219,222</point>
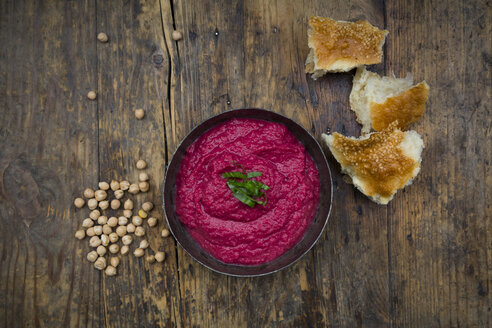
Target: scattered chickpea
<point>137,220</point>
<point>143,186</point>
<point>98,230</point>
<point>92,95</point>
<point>127,240</point>
<point>143,176</point>
<point>114,185</point>
<point>124,185</point>
<point>147,206</point>
<point>92,203</point>
<point>128,204</point>
<point>103,185</point>
<point>139,113</point>
<point>133,189</point>
<point>79,202</point>
<point>80,234</point>
<point>92,256</point>
<point>141,164</point>
<point>165,233</point>
<point>152,222</point>
<point>115,261</point>
<point>127,213</point>
<point>107,230</point>
<point>100,263</point>
<point>110,271</point>
<point>89,193</point>
<point>95,241</point>
<point>144,244</point>
<point>95,214</point>
<point>102,37</point>
<point>90,232</point>
<point>138,252</point>
<point>115,204</point>
<point>121,231</point>
<point>124,250</point>
<point>150,258</point>
<point>113,237</point>
<point>112,222</point>
<point>104,240</point>
<point>103,205</point>
<point>101,250</point>
<point>139,231</point>
<point>142,214</point>
<point>100,195</point>
<point>114,248</point>
<point>87,223</point>
<point>118,194</point>
<point>176,35</point>
<point>160,256</point>
<point>102,220</point>
<point>130,228</point>
<point>122,220</point>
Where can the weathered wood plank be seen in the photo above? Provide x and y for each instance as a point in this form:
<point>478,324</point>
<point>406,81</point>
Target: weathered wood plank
<point>133,69</point>
<point>48,153</point>
<point>252,55</point>
<point>440,229</point>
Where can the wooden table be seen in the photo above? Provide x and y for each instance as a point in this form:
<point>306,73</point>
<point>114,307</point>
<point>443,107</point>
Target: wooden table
<point>422,261</point>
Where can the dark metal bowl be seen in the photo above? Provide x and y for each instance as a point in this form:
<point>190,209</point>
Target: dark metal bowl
<point>289,257</point>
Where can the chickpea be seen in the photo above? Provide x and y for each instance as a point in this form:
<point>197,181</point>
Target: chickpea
<point>127,213</point>
<point>133,189</point>
<point>113,237</point>
<point>128,204</point>
<point>87,223</point>
<point>90,232</point>
<point>124,185</point>
<point>103,205</point>
<point>95,241</point>
<point>137,220</point>
<point>80,234</point>
<point>95,214</point>
<point>124,250</point>
<point>127,240</point>
<point>112,222</point>
<point>100,263</point>
<point>92,256</point>
<point>141,164</point>
<point>103,185</point>
<point>122,220</point>
<point>98,230</point>
<point>115,204</point>
<point>152,222</point>
<point>114,248</point>
<point>104,240</point>
<point>144,244</point>
<point>115,261</point>
<point>101,250</point>
<point>147,206</point>
<point>89,193</point>
<point>79,202</point>
<point>143,186</point>
<point>118,194</point>
<point>92,204</point>
<point>176,35</point>
<point>102,220</point>
<point>102,37</point>
<point>139,114</point>
<point>100,195</point>
<point>138,252</point>
<point>115,185</point>
<point>130,228</point>
<point>165,233</point>
<point>139,231</point>
<point>107,230</point>
<point>142,214</point>
<point>110,271</point>
<point>160,256</point>
<point>150,258</point>
<point>121,231</point>
<point>143,176</point>
<point>92,95</point>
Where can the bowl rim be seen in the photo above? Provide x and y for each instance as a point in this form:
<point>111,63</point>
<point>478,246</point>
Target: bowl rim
<point>239,265</point>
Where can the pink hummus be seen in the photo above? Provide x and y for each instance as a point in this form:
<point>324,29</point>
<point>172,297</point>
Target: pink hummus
<point>232,231</point>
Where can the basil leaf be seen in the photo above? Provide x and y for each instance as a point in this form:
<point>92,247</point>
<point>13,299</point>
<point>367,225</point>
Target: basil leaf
<point>238,175</point>
<point>253,174</point>
<point>245,189</point>
<point>244,198</point>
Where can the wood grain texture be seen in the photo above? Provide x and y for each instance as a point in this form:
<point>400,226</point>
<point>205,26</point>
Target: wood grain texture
<point>421,261</point>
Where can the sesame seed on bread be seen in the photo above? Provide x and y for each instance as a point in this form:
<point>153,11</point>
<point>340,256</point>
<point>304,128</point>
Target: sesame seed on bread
<point>379,101</point>
<point>339,46</point>
<point>379,163</point>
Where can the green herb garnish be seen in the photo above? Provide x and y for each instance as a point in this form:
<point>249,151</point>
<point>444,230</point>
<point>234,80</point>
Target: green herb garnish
<point>244,188</point>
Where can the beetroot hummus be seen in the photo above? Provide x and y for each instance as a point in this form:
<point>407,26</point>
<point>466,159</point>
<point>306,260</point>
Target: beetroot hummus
<point>232,231</point>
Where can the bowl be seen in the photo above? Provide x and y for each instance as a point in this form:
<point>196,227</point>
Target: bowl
<point>292,255</point>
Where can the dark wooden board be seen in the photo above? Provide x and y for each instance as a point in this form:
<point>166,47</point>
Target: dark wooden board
<point>420,261</point>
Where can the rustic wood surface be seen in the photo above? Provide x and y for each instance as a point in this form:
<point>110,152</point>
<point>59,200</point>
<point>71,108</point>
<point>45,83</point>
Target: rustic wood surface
<point>421,261</point>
